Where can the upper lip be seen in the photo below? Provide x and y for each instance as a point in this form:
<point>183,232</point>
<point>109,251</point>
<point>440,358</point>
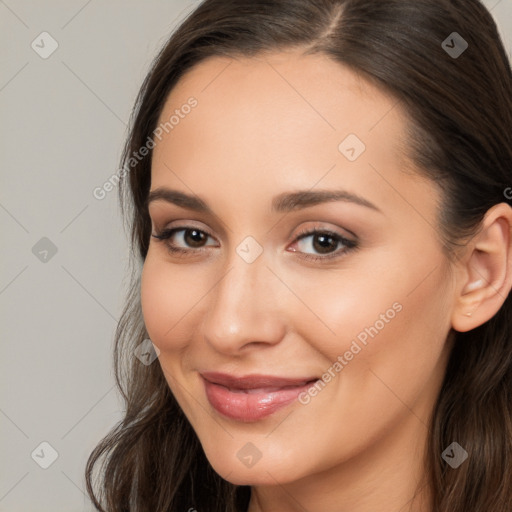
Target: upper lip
<point>254,381</point>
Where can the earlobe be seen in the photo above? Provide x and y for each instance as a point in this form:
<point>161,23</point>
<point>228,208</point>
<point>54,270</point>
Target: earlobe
<point>486,272</point>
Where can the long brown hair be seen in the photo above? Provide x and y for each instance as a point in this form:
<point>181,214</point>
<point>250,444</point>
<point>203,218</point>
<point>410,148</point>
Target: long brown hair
<point>460,135</point>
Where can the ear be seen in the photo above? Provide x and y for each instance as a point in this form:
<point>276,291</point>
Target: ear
<point>485,273</point>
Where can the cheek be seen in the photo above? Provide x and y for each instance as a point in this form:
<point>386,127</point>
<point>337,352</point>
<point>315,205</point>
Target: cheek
<point>168,296</point>
<point>395,313</point>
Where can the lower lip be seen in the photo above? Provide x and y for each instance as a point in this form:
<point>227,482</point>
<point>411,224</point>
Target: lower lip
<point>252,406</point>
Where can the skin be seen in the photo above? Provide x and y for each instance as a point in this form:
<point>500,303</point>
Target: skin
<point>270,125</point>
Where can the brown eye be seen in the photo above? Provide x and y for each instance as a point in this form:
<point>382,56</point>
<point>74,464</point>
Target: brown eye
<point>323,243</point>
<point>320,242</point>
<point>194,237</point>
<point>185,239</point>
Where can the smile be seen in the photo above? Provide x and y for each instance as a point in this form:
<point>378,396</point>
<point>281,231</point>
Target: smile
<point>253,397</point>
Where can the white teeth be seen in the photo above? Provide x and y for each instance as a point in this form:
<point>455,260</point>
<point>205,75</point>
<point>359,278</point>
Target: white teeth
<point>262,390</point>
<point>267,390</point>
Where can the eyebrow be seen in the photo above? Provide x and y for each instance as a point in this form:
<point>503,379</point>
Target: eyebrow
<point>285,202</point>
<point>290,201</point>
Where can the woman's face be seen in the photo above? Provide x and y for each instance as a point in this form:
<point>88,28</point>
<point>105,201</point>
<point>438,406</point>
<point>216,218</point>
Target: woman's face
<point>274,149</point>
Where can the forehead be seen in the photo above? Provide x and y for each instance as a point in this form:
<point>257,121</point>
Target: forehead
<point>324,95</point>
<point>282,119</point>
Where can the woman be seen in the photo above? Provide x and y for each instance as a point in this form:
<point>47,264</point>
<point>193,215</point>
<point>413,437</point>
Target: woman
<point>319,199</point>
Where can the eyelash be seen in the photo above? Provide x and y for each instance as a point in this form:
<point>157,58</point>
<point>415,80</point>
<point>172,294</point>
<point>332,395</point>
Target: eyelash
<point>349,245</point>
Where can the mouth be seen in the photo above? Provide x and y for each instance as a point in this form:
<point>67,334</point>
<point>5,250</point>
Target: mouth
<point>252,397</point>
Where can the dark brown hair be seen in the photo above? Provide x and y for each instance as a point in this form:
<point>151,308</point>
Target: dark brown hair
<point>460,135</point>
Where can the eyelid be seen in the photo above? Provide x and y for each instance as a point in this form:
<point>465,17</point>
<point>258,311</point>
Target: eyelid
<point>321,227</point>
<point>181,223</point>
<point>168,214</point>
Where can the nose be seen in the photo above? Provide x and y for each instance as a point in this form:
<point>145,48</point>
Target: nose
<point>243,309</point>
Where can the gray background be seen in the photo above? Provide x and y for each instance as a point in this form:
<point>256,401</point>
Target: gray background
<point>63,122</point>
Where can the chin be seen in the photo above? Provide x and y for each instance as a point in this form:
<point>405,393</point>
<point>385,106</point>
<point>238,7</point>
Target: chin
<point>262,473</point>
<point>254,478</point>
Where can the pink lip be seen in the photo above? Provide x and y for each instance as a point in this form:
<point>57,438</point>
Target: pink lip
<point>252,397</point>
